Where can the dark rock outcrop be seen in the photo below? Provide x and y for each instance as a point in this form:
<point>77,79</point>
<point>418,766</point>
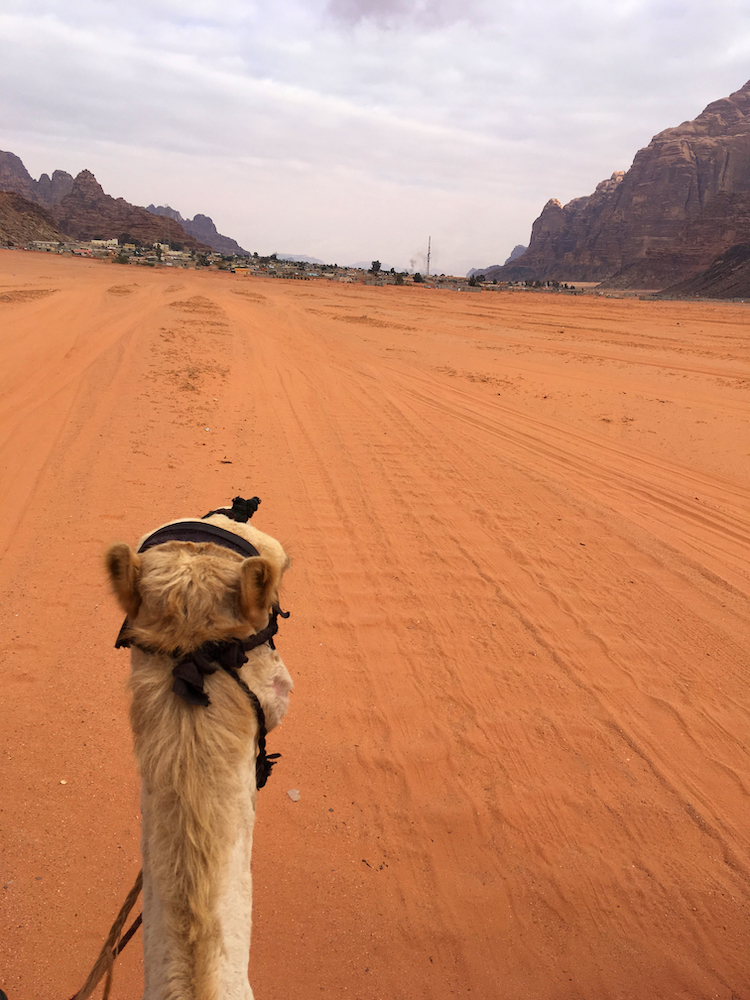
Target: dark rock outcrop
<point>86,213</point>
<point>52,190</point>
<point>685,199</point>
<point>483,272</point>
<point>516,252</point>
<point>201,227</point>
<point>728,277</point>
<point>46,191</point>
<point>15,177</point>
<point>166,212</point>
<point>22,221</point>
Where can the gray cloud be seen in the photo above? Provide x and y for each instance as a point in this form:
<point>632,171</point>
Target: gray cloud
<point>392,14</point>
<point>350,130</point>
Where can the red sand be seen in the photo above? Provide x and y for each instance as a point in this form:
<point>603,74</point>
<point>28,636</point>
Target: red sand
<point>519,595</point>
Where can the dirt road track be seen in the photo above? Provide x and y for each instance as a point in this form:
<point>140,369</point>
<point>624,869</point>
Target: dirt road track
<point>520,619</point>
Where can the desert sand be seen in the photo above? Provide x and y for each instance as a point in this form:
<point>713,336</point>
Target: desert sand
<point>519,534</point>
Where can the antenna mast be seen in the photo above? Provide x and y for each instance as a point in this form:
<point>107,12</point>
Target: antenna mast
<point>429,246</point>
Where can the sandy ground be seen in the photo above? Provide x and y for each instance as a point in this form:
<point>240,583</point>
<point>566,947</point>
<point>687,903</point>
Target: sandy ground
<point>519,596</point>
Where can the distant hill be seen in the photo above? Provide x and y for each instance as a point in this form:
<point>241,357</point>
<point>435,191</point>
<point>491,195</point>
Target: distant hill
<point>47,191</point>
<point>301,258</point>
<point>515,252</point>
<point>22,221</point>
<point>86,212</point>
<point>684,200</point>
<point>202,228</point>
<point>81,210</point>
<point>728,277</point>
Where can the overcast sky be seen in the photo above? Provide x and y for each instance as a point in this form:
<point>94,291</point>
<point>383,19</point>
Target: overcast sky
<point>354,129</point>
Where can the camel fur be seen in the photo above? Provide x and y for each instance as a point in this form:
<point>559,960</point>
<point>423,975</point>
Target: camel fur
<point>197,764</point>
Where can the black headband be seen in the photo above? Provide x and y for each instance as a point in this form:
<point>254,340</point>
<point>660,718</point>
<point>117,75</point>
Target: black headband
<point>195,531</point>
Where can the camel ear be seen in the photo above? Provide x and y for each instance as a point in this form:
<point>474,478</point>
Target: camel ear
<point>259,584</point>
<point>124,568</point>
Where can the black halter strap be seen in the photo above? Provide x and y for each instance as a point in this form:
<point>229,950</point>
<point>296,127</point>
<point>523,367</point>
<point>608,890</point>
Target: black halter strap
<point>264,762</point>
<point>197,531</point>
<point>229,656</point>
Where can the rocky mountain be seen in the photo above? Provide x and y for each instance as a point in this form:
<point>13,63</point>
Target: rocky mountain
<point>684,200</point>
<point>202,228</point>
<point>516,252</point>
<point>482,271</point>
<point>86,212</point>
<point>47,191</point>
<point>728,277</point>
<point>22,221</point>
<point>52,190</point>
<point>81,210</point>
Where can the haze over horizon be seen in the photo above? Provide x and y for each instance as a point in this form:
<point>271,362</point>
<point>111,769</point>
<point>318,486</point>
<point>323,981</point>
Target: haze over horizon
<point>349,129</point>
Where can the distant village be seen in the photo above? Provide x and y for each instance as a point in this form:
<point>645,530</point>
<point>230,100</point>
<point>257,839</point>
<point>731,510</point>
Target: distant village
<point>176,256</point>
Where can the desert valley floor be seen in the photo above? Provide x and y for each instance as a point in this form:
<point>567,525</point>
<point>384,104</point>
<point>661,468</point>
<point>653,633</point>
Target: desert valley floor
<point>520,542</point>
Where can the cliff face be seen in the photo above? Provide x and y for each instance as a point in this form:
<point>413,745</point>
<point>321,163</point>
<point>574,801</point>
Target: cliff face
<point>22,221</point>
<point>47,191</point>
<point>86,212</point>
<point>15,177</point>
<point>728,277</point>
<point>202,228</point>
<point>685,199</point>
<point>52,190</point>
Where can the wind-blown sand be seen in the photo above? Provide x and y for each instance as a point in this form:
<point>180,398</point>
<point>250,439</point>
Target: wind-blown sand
<point>519,596</point>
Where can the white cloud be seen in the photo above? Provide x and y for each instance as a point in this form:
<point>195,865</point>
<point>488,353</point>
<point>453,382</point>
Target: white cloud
<point>352,129</point>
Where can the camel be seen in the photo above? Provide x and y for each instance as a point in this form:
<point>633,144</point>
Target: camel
<point>196,608</point>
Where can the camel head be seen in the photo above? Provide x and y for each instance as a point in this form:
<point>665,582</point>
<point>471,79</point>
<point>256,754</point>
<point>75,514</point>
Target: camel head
<point>179,595</point>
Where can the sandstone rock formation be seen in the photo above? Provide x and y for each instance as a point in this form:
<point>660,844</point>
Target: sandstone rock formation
<point>52,190</point>
<point>202,228</point>
<point>86,212</point>
<point>82,210</point>
<point>483,271</point>
<point>684,200</point>
<point>22,221</point>
<point>47,191</point>
<point>728,277</point>
<point>516,252</point>
<point>15,177</point>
